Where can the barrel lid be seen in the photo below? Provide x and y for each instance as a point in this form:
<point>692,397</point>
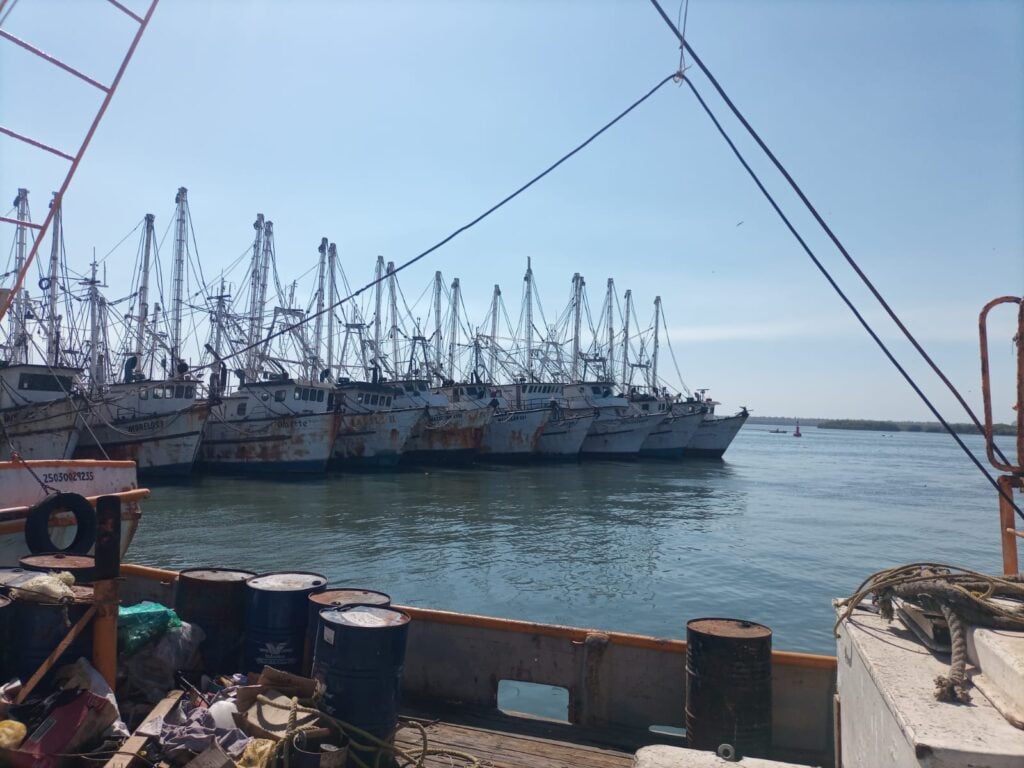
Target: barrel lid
<point>215,574</point>
<point>365,616</point>
<point>58,561</point>
<point>287,582</point>
<point>350,596</point>
<point>734,628</point>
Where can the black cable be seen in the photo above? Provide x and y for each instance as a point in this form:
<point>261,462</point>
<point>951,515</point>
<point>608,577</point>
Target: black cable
<point>828,231</point>
<point>860,318</point>
<point>461,229</point>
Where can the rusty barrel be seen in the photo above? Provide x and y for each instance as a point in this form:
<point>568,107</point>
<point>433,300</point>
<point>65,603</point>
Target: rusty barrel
<point>729,686</point>
<point>335,598</point>
<point>41,626</point>
<point>214,600</point>
<point>276,614</point>
<point>359,657</point>
<point>82,567</point>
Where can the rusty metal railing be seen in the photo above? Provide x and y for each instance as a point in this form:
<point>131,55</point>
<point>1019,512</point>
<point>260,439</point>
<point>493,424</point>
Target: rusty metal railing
<point>1013,480</point>
<point>76,158</point>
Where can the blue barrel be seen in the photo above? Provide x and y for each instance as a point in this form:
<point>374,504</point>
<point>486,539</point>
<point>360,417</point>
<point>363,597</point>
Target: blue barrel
<point>41,627</point>
<point>359,657</point>
<point>335,598</point>
<point>275,619</point>
<point>82,567</point>
<point>214,600</point>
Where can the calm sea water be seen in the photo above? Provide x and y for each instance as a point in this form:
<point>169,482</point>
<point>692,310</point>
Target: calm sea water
<point>770,534</point>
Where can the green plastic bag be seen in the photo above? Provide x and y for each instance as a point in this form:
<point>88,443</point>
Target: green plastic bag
<point>138,625</point>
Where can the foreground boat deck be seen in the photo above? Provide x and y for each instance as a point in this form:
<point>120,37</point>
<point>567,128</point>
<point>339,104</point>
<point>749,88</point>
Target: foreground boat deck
<point>504,749</point>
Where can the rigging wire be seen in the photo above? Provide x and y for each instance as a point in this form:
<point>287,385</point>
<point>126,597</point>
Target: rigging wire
<point>828,231</point>
<point>846,300</point>
<point>468,225</point>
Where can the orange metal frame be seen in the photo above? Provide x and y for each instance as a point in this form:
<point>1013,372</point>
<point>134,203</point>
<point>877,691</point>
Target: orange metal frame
<point>1014,479</point>
<point>107,90</point>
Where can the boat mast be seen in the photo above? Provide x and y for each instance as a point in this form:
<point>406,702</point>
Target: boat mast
<point>625,339</point>
<point>438,354</point>
<point>453,339</point>
<point>219,320</point>
<point>654,353</point>
<point>528,279</point>
<point>495,305</point>
<point>19,336</point>
<point>332,260</point>
<point>255,310</point>
<point>140,330</point>
<point>178,280</point>
<point>265,261</point>
<point>94,330</point>
<point>318,324</point>
<point>53,327</point>
<point>577,300</point>
<point>379,278</point>
<point>609,308</point>
<point>393,308</point>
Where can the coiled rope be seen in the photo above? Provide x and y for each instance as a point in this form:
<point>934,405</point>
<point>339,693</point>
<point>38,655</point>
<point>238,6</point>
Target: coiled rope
<point>964,597</point>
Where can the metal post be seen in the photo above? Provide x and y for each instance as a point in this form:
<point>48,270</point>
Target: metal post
<point>378,296</point>
<point>438,354</point>
<point>528,279</point>
<point>577,308</point>
<point>19,335</point>
<point>454,335</point>
<point>140,334</point>
<point>178,279</point>
<point>332,260</point>
<point>625,340</point>
<point>609,310</point>
<point>255,310</point>
<point>495,306</point>
<point>393,321</point>
<point>654,353</point>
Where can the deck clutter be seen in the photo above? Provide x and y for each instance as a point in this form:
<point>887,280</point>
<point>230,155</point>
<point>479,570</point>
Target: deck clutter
<point>245,375</point>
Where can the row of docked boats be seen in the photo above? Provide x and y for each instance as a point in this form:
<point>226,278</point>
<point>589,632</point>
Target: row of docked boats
<point>295,406</point>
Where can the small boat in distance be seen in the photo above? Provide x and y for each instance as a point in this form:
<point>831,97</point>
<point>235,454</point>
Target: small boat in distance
<point>779,431</point>
<point>796,432</point>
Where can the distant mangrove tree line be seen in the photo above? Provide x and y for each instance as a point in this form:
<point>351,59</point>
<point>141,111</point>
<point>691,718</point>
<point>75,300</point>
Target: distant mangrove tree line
<point>874,425</point>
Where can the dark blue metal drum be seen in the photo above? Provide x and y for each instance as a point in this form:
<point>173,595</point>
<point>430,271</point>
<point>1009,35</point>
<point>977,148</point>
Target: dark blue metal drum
<point>41,627</point>
<point>335,598</point>
<point>359,657</point>
<point>214,600</point>
<point>276,614</point>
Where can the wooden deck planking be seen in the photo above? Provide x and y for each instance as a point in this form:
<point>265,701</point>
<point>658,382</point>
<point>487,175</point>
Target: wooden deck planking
<point>508,750</point>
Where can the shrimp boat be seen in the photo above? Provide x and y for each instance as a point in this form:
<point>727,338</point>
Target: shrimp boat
<point>715,433</point>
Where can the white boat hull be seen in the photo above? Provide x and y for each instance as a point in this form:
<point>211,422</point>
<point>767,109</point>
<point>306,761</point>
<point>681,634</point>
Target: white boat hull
<point>563,437</point>
<point>375,439</point>
<point>301,443</point>
<point>21,486</point>
<point>714,435</point>
<point>671,436</point>
<point>613,436</point>
<point>514,434</point>
<point>164,444</point>
<point>41,431</point>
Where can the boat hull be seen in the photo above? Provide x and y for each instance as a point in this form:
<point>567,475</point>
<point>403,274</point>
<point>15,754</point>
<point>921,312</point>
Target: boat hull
<point>373,440</point>
<point>449,437</point>
<point>514,435</point>
<point>300,444</point>
<point>563,437</point>
<point>21,486</point>
<point>617,437</point>
<point>670,438</point>
<point>164,445</point>
<point>715,435</point>
<point>42,431</point>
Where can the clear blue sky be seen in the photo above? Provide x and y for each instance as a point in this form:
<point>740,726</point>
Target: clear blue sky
<point>384,126</point>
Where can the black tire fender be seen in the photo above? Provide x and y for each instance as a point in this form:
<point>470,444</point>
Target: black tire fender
<point>37,524</point>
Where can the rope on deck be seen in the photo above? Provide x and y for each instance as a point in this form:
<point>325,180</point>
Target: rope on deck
<point>964,597</point>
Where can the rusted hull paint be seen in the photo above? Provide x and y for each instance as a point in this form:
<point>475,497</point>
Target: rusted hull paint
<point>166,445</point>
<point>563,437</point>
<point>367,440</point>
<point>301,443</point>
<point>453,436</point>
<point>714,435</point>
<point>41,431</point>
<point>514,434</point>
<point>618,436</point>
<point>671,436</point>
